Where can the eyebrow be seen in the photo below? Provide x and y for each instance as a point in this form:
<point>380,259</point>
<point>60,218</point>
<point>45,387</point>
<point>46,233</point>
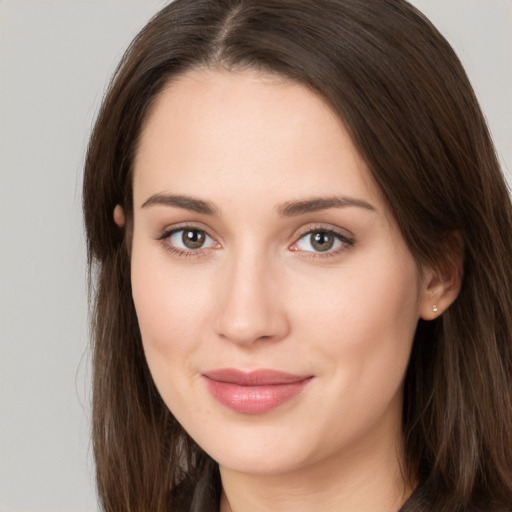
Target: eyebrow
<point>288,209</point>
<point>315,204</point>
<point>180,201</point>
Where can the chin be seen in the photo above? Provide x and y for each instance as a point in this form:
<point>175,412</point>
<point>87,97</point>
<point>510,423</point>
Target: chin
<point>258,461</point>
<point>256,449</point>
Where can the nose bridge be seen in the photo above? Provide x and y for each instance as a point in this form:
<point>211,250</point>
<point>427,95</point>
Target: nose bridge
<point>250,306</point>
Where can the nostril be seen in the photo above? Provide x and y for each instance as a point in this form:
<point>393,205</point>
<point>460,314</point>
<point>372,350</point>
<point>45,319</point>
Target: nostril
<point>250,306</point>
<point>256,326</point>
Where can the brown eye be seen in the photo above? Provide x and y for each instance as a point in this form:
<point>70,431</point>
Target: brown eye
<point>322,241</point>
<point>189,239</point>
<point>193,238</point>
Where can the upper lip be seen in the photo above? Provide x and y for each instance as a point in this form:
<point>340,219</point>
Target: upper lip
<point>263,377</point>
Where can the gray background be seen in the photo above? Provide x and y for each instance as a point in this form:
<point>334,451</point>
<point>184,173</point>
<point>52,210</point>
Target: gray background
<point>55,59</point>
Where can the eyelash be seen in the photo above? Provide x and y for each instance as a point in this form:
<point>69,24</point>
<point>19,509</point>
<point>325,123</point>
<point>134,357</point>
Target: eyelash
<point>347,242</point>
<point>190,253</point>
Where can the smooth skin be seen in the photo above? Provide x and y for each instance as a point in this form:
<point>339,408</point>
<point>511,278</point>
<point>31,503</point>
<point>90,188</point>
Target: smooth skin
<point>261,241</point>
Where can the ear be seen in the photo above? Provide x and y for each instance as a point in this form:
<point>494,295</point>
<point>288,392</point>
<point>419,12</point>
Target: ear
<point>441,286</point>
<point>119,217</point>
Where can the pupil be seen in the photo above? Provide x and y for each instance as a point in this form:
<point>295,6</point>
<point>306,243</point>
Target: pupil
<point>193,239</point>
<point>322,241</point>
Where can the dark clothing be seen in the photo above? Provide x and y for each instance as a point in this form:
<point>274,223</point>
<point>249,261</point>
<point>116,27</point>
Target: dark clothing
<point>204,496</point>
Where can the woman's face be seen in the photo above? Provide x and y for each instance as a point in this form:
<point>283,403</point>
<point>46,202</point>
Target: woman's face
<point>276,298</point>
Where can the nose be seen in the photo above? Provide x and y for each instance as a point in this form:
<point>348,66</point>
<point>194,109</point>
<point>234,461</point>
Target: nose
<point>251,302</point>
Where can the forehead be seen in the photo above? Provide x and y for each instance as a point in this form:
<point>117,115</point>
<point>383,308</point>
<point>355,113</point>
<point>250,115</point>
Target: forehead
<point>229,132</point>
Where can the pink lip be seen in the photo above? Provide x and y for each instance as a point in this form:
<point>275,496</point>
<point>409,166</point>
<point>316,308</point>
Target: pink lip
<point>253,392</point>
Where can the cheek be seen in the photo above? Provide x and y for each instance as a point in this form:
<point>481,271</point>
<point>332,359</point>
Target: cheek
<point>364,319</point>
<point>360,324</point>
<point>168,305</point>
<point>170,310</point>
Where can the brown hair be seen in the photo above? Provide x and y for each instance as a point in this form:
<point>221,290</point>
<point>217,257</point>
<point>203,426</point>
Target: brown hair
<point>408,105</point>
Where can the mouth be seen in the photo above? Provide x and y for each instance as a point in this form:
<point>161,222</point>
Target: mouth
<point>254,392</point>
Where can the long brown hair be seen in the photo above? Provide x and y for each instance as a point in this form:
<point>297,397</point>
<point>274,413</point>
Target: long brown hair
<point>402,93</point>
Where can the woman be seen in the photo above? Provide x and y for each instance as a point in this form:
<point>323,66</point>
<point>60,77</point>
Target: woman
<point>301,239</point>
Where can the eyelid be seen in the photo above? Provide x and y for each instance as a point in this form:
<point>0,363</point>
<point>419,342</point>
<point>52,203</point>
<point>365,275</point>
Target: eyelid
<point>343,235</point>
<point>330,228</point>
<point>173,228</point>
<point>166,233</point>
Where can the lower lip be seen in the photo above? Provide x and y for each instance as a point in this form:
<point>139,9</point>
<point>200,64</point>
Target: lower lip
<point>254,399</point>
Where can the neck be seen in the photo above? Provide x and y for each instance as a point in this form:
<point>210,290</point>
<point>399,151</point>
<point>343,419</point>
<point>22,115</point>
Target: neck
<point>366,477</point>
